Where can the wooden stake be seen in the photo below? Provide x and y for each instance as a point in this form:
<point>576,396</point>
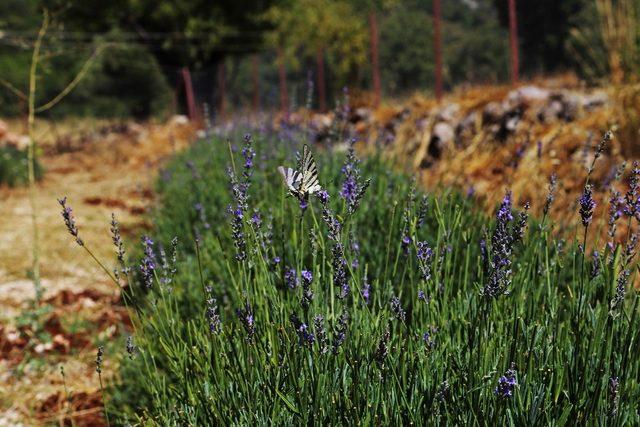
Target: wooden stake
<point>188,89</point>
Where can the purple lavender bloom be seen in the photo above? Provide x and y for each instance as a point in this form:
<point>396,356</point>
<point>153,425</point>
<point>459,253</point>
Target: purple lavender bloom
<point>520,227</point>
<point>307,276</point>
<point>117,239</point>
<point>428,340</point>
<point>340,273</point>
<point>506,384</point>
<point>501,249</point>
<point>406,245</point>
<point>366,292</point>
<point>291,277</point>
<point>320,333</point>
<point>621,289</point>
<point>276,260</point>
<point>483,253</point>
<point>333,224</point>
<point>248,153</point>
<point>256,220</point>
<point>587,204</point>
<point>353,188</point>
<point>304,204</point>
<point>307,293</point>
<point>632,197</point>
<point>422,211</point>
<point>69,220</point>
<point>397,310</point>
<point>471,191</point>
<point>382,349</point>
<point>323,196</point>
<point>306,337</point>
<point>422,296</point>
<point>245,315</point>
<point>237,232</point>
<point>616,206</point>
<point>340,331</point>
<point>148,264</point>
<point>424,254</point>
<point>212,313</point>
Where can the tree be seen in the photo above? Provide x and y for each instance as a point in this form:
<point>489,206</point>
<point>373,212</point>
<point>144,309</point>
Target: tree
<point>544,27</point>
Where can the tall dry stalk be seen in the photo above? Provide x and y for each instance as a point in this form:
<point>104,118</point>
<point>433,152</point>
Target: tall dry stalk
<point>32,110</point>
<point>619,29</point>
<point>35,58</point>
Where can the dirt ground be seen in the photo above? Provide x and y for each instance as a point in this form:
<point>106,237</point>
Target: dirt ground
<point>101,168</point>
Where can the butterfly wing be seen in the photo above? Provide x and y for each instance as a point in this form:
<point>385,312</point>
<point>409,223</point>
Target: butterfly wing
<point>292,179</point>
<point>308,172</point>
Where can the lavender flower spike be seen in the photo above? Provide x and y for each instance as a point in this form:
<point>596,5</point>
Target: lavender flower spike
<point>69,220</point>
<point>506,384</point>
<point>587,204</point>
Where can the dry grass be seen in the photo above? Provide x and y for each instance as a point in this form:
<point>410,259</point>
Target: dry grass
<point>102,167</point>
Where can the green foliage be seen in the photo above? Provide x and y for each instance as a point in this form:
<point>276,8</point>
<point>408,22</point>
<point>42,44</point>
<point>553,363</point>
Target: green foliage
<point>555,325</point>
<point>13,167</point>
<point>544,28</point>
<point>474,46</point>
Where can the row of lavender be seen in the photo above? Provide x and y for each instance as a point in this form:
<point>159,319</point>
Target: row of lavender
<point>370,303</point>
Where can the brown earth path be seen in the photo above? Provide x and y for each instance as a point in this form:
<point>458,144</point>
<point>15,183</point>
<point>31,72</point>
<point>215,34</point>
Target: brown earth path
<point>110,169</point>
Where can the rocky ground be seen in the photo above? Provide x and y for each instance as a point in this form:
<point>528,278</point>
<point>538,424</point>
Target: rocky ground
<point>101,168</point>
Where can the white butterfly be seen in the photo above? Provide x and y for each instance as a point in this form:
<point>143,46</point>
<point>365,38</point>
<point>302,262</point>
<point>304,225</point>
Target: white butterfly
<point>303,181</point>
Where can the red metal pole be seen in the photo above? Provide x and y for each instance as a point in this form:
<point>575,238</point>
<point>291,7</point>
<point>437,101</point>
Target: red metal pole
<point>188,89</point>
<point>437,47</point>
<point>282,74</point>
<point>375,67</point>
<point>513,42</point>
<point>221,90</point>
<point>322,94</point>
<point>255,70</point>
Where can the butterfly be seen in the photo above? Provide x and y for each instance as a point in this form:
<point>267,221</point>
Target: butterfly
<point>303,181</point>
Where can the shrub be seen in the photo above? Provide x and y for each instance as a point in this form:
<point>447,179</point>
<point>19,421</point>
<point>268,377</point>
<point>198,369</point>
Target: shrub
<point>13,166</point>
<point>406,308</point>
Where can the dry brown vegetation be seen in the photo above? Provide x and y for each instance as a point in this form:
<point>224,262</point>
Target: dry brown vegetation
<point>102,167</point>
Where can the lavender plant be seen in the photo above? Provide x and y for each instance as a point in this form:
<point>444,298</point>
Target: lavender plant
<point>297,333</point>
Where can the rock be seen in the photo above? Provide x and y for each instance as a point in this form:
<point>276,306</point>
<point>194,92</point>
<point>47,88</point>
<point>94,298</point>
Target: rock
<point>441,139</point>
<point>466,128</point>
<point>179,119</point>
<point>528,95</point>
<point>448,113</point>
<point>492,113</point>
<point>594,101</point>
